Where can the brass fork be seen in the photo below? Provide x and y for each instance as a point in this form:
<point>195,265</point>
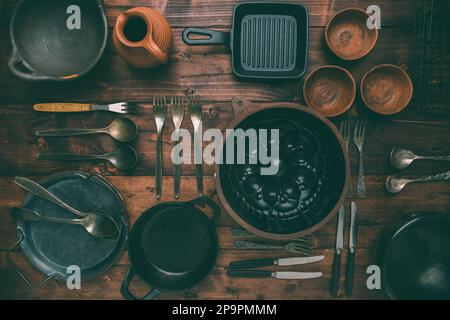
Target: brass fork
<point>359,137</point>
<point>195,110</point>
<point>177,116</point>
<point>159,111</point>
<point>345,132</point>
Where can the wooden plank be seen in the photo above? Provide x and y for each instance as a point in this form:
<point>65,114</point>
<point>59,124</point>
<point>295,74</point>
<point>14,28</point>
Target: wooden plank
<point>202,13</point>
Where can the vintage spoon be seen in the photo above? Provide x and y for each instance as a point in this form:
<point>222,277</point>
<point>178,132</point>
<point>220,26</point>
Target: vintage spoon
<point>97,224</point>
<point>123,158</point>
<point>402,158</point>
<point>395,184</point>
<point>122,130</point>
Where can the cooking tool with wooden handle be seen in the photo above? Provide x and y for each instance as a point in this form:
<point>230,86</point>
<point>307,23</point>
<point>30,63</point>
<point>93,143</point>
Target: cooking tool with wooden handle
<point>62,107</point>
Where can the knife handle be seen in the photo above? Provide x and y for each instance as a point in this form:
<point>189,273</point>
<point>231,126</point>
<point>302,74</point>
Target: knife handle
<point>62,107</point>
<point>249,264</point>
<point>335,277</point>
<point>349,273</point>
<point>249,273</point>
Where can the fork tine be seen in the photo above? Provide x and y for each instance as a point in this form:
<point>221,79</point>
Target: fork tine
<point>348,131</point>
<point>341,127</point>
<point>364,129</point>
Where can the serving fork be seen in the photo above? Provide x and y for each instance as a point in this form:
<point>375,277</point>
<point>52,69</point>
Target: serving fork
<point>120,107</point>
<point>159,111</point>
<point>177,116</point>
<point>300,246</point>
<point>195,110</point>
<point>345,132</point>
<point>359,137</point>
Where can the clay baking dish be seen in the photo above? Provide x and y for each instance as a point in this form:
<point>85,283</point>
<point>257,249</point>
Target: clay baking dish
<point>330,90</point>
<point>310,185</point>
<point>348,36</point>
<point>386,89</point>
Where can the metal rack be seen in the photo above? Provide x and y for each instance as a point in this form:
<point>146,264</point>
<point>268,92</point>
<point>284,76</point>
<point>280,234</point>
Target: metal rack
<point>432,76</point>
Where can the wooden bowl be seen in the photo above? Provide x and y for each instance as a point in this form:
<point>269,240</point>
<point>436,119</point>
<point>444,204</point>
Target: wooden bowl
<point>348,36</point>
<point>330,90</point>
<point>386,89</point>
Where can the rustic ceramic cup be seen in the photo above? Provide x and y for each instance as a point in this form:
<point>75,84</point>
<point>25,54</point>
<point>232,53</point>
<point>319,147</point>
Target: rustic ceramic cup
<point>348,36</point>
<point>330,90</point>
<point>143,37</point>
<point>386,89</point>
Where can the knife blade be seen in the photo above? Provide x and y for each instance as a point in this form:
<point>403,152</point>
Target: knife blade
<point>340,231</point>
<point>287,275</point>
<point>247,264</point>
<point>336,273</point>
<point>297,261</point>
<point>352,243</point>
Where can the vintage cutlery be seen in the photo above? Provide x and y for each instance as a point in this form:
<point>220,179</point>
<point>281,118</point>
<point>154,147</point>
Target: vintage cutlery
<point>395,184</point>
<point>282,275</point>
<point>177,115</point>
<point>121,107</point>
<point>345,129</point>
<point>337,255</point>
<point>159,111</point>
<point>195,110</point>
<point>98,225</point>
<point>402,158</point>
<point>245,264</point>
<point>359,137</point>
<point>43,193</point>
<point>123,158</point>
<point>300,246</point>
<point>122,130</point>
<point>353,238</point>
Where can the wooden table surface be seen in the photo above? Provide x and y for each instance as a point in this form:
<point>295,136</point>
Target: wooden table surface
<point>207,71</point>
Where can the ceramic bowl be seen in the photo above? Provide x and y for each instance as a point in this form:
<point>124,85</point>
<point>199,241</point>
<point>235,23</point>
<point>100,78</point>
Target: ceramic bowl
<point>330,90</point>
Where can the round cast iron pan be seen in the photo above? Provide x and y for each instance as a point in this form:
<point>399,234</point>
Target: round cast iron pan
<point>51,248</point>
<point>172,247</point>
<point>414,255</point>
<point>43,46</point>
<point>308,189</point>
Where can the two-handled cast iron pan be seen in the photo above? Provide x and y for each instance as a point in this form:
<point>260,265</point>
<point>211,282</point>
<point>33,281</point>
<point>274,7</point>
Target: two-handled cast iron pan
<point>172,247</point>
<point>47,43</point>
<point>267,40</point>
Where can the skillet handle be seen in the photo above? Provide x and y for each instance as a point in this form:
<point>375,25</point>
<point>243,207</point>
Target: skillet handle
<point>214,37</point>
<point>125,291</point>
<point>211,204</point>
<point>20,272</point>
<point>20,69</point>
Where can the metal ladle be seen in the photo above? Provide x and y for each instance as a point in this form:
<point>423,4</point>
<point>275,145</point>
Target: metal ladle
<point>104,220</point>
<point>123,158</point>
<point>395,184</point>
<point>122,130</point>
<point>97,224</point>
<point>401,158</point>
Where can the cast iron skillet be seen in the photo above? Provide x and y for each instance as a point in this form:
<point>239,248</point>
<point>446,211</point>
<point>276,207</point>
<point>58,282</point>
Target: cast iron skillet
<point>414,255</point>
<point>267,40</point>
<point>43,46</point>
<point>51,248</point>
<point>172,247</point>
<point>311,183</point>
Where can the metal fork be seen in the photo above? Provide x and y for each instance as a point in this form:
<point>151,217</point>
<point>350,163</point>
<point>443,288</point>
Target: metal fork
<point>300,246</point>
<point>159,111</point>
<point>345,128</point>
<point>359,137</point>
<point>177,115</point>
<point>195,110</point>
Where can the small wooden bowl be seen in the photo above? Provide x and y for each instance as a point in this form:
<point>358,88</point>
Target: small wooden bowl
<point>330,90</point>
<point>348,36</point>
<point>386,89</point>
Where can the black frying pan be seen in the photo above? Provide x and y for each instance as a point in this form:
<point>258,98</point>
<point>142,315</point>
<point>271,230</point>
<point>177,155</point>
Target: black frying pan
<point>172,247</point>
<point>44,48</point>
<point>415,257</point>
<point>267,40</point>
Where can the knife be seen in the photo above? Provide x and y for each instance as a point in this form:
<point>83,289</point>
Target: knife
<point>284,275</point>
<point>335,277</point>
<point>353,238</point>
<point>246,264</point>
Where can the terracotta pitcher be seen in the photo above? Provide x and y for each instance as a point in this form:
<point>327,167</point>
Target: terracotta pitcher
<point>143,37</point>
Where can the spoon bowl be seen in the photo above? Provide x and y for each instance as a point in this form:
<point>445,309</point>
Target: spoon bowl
<point>401,158</point>
<point>395,184</point>
<point>123,130</point>
<point>123,158</point>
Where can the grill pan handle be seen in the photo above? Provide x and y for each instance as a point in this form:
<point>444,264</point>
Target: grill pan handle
<point>214,37</point>
<point>20,272</point>
<point>125,291</point>
<point>211,204</point>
